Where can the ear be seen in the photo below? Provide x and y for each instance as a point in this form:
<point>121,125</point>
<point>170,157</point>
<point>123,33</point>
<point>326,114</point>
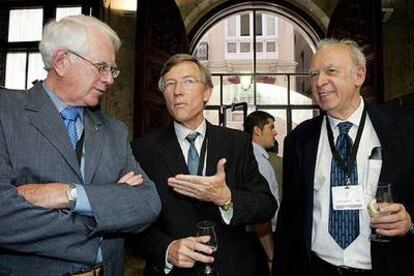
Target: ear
<point>361,72</point>
<point>257,131</point>
<point>60,62</point>
<point>207,94</point>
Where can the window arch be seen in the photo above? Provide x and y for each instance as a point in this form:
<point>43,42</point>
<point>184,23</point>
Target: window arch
<point>259,55</point>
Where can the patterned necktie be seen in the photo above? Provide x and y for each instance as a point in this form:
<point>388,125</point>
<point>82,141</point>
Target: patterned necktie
<point>192,156</point>
<point>343,224</point>
<point>69,116</point>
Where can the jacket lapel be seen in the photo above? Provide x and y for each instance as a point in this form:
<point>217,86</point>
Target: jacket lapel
<point>169,151</point>
<point>387,132</point>
<point>309,151</point>
<point>46,119</point>
<point>214,148</point>
<point>94,143</point>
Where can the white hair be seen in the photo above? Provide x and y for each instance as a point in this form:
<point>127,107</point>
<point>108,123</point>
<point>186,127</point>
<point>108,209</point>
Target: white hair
<point>71,33</point>
<point>358,57</point>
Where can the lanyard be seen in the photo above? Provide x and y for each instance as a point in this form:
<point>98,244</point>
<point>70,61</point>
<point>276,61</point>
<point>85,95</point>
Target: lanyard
<point>202,154</point>
<point>346,166</point>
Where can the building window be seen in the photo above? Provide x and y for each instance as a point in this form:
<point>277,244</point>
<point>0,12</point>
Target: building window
<point>261,76</point>
<point>19,54</point>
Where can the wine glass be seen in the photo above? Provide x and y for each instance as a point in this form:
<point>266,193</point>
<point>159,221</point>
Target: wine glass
<point>383,195</point>
<point>206,228</point>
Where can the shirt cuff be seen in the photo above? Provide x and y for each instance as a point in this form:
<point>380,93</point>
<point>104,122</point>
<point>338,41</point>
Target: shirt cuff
<point>82,207</point>
<point>168,266</point>
<point>226,215</point>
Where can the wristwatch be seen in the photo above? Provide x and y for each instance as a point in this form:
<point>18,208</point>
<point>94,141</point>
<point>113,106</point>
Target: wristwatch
<point>227,206</point>
<point>72,195</point>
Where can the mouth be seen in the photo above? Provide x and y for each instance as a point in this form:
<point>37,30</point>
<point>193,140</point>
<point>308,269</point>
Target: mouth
<point>323,94</point>
<point>179,104</point>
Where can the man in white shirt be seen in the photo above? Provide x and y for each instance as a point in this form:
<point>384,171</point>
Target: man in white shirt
<point>261,126</point>
<point>202,172</point>
<point>329,177</point>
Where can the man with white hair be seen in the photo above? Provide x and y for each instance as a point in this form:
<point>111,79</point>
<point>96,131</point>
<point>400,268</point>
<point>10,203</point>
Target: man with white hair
<point>69,184</point>
<point>332,167</point>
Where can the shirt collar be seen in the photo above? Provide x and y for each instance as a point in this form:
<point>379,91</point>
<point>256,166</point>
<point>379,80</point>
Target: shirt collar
<point>182,132</point>
<point>258,148</point>
<point>354,118</point>
<point>60,105</point>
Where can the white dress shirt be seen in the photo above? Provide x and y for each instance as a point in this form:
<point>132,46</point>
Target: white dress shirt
<point>358,253</point>
<point>266,169</point>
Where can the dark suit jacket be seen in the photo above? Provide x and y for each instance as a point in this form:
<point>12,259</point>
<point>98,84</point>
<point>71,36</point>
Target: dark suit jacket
<point>35,148</point>
<point>294,229</point>
<point>161,157</point>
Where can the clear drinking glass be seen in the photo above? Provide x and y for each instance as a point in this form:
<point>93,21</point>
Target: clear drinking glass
<point>383,195</point>
<point>206,228</point>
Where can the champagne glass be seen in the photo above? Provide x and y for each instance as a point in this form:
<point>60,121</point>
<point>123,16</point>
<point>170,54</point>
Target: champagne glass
<point>383,195</point>
<point>206,228</point>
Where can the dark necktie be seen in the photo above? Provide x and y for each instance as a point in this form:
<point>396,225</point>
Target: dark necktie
<point>69,116</point>
<point>343,224</point>
<point>192,156</point>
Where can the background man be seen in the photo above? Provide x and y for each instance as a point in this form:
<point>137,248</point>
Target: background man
<point>329,155</point>
<point>261,126</point>
<point>225,185</point>
<point>63,179</point>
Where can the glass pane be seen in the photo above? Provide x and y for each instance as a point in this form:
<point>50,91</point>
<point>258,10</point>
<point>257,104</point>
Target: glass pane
<point>66,11</point>
<point>231,26</point>
<point>244,47</point>
<point>237,89</point>
<point>271,25</point>
<point>231,47</point>
<point>259,25</point>
<point>280,125</point>
<point>245,24</point>
<point>271,89</point>
<point>300,92</point>
<point>36,71</point>
<point>271,46</point>
<point>25,25</point>
<point>300,115</point>
<point>215,96</point>
<point>259,47</point>
<point>15,70</point>
<point>212,116</point>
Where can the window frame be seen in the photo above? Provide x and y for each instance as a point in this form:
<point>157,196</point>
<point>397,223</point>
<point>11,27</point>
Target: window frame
<point>91,7</point>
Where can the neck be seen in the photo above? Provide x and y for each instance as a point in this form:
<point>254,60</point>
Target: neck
<point>193,124</point>
<point>346,112</point>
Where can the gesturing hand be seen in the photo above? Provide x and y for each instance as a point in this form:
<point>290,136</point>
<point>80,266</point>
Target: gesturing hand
<point>207,188</point>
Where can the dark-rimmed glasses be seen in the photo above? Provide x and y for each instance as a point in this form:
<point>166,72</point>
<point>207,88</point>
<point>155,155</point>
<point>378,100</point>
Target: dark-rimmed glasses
<point>102,67</point>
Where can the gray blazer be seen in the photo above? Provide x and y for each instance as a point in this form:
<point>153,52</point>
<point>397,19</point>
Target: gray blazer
<point>35,148</point>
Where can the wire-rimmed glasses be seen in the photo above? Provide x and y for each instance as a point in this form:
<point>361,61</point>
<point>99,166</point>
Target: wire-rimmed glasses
<point>102,67</point>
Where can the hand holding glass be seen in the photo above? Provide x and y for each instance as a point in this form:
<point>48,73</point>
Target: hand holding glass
<point>206,228</point>
<point>383,195</point>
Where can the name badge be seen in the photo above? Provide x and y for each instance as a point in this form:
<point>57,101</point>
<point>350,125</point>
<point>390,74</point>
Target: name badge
<point>347,197</point>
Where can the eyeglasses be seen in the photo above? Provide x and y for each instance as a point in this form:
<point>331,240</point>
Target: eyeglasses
<point>187,83</point>
<point>102,67</point>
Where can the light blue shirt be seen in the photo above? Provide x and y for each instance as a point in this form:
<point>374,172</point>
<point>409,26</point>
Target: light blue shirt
<point>266,169</point>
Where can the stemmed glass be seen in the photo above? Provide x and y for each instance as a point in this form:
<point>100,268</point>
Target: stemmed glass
<point>206,228</point>
<point>383,195</point>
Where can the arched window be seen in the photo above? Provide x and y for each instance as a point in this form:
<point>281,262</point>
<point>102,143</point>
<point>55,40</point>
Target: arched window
<point>258,55</point>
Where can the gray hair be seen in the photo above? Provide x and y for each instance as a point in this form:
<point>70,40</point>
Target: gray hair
<point>358,57</point>
<point>71,32</point>
<point>178,58</point>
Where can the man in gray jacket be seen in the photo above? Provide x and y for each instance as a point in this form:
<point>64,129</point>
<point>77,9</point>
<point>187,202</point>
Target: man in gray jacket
<point>69,185</point>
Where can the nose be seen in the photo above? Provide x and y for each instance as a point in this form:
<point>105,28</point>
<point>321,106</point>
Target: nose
<point>108,78</point>
<point>178,89</point>
<point>321,79</point>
